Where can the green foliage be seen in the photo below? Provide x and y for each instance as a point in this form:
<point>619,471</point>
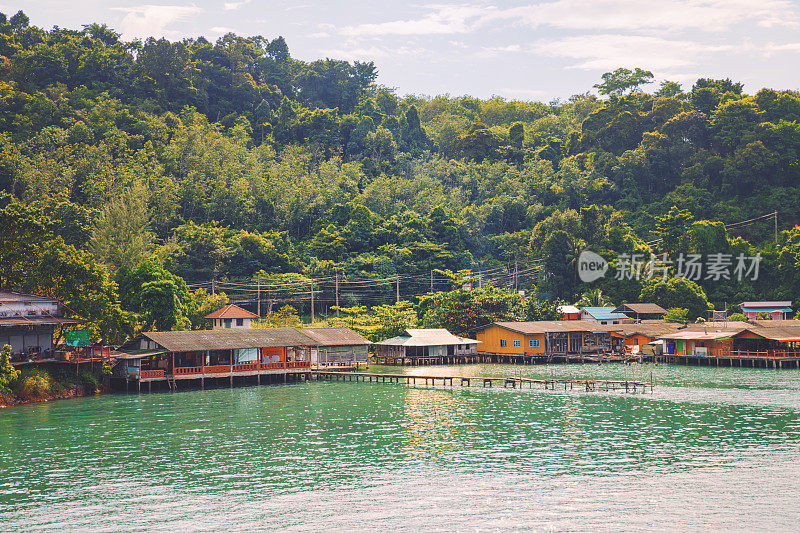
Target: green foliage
<point>8,374</point>
<point>594,298</point>
<point>676,314</point>
<point>284,317</point>
<point>461,311</point>
<point>623,79</point>
<point>121,237</point>
<point>204,303</point>
<point>158,297</point>
<point>543,310</point>
<point>232,159</point>
<point>677,293</point>
<point>378,322</point>
<point>737,317</point>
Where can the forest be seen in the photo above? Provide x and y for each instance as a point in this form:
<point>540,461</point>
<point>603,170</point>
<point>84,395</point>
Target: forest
<point>146,183</point>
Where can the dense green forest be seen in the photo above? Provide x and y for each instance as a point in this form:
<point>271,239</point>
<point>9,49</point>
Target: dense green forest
<point>133,171</point>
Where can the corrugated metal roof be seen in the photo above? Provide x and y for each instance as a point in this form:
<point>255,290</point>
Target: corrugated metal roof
<point>782,303</point>
<point>228,339</point>
<point>232,311</point>
<point>37,321</point>
<point>701,335</point>
<point>9,296</point>
<point>552,326</point>
<point>336,337</point>
<point>642,309</point>
<point>648,329</point>
<point>568,309</point>
<point>766,309</point>
<point>604,313</point>
<point>427,337</point>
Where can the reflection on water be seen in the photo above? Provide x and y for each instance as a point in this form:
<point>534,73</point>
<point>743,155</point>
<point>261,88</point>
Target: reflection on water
<point>360,455</point>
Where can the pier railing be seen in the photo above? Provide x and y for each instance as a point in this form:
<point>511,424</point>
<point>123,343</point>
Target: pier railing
<point>151,374</point>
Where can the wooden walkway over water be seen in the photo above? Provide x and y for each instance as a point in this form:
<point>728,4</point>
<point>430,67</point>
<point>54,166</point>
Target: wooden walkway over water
<point>588,385</point>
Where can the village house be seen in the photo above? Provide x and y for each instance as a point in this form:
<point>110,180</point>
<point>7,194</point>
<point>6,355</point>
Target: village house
<point>742,340</point>
<point>569,312</point>
<point>231,316</point>
<point>171,356</point>
<point>543,338</point>
<point>774,310</point>
<point>642,311</point>
<point>603,315</point>
<point>28,323</point>
<point>426,346</point>
<point>337,346</point>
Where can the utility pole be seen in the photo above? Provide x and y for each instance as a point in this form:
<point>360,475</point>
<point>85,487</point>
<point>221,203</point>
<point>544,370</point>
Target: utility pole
<point>516,270</point>
<point>398,287</point>
<point>776,226</point>
<point>214,282</point>
<point>480,279</point>
<point>259,295</point>
<point>312,301</point>
<point>337,294</point>
<point>431,280</point>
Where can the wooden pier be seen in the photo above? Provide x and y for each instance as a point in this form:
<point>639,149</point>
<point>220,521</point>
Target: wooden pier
<point>588,385</point>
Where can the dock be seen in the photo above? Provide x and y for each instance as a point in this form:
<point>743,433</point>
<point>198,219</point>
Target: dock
<point>588,385</point>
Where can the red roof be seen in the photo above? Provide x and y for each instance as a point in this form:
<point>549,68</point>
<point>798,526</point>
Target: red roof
<point>232,311</point>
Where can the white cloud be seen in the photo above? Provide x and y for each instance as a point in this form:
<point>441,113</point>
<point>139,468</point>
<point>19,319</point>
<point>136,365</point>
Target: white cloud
<point>638,15</point>
<point>603,15</point>
<point>151,20</point>
<point>222,29</point>
<point>608,51</point>
<point>492,51</point>
<point>441,20</point>
<point>232,6</point>
<point>370,53</point>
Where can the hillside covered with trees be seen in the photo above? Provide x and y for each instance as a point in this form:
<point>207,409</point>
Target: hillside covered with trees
<point>132,170</point>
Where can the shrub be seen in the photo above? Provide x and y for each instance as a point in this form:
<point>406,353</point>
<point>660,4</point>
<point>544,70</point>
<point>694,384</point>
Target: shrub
<point>35,387</point>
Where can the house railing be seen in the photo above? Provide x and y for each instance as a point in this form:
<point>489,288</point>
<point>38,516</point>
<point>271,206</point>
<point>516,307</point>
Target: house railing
<point>751,354</point>
<point>237,368</point>
<point>151,374</point>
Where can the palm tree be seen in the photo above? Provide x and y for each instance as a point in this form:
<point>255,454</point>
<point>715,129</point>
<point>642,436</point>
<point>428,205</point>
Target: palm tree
<point>594,298</point>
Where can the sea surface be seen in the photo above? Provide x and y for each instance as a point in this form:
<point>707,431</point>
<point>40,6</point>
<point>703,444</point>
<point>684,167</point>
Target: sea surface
<point>710,449</point>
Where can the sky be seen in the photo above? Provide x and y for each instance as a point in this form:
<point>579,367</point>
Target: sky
<point>518,50</point>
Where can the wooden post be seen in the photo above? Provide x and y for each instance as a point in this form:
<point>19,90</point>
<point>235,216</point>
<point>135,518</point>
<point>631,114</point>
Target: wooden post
<point>312,301</point>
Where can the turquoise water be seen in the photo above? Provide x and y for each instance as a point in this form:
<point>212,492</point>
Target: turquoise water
<point>709,449</point>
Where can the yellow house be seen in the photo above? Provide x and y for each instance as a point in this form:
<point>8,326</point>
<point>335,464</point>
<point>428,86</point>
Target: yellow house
<point>542,337</point>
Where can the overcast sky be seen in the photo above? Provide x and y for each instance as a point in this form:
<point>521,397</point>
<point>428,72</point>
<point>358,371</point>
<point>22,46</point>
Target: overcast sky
<point>522,50</point>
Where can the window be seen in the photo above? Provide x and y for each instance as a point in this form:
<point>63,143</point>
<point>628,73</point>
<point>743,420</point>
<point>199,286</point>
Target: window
<point>533,343</point>
<point>503,343</point>
<point>227,322</point>
<point>517,344</point>
<point>240,322</point>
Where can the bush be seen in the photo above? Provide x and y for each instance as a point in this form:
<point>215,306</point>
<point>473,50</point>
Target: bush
<point>88,381</point>
<point>35,387</point>
<point>737,317</point>
<point>676,314</point>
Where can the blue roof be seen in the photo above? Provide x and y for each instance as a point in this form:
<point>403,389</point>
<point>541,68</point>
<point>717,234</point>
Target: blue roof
<point>746,309</point>
<point>604,313</point>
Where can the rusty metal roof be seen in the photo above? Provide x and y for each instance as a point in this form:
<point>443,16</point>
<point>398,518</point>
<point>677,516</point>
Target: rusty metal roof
<point>9,296</point>
<point>228,339</point>
<point>552,326</point>
<point>642,309</point>
<point>38,321</point>
<point>232,311</point>
<point>336,337</point>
